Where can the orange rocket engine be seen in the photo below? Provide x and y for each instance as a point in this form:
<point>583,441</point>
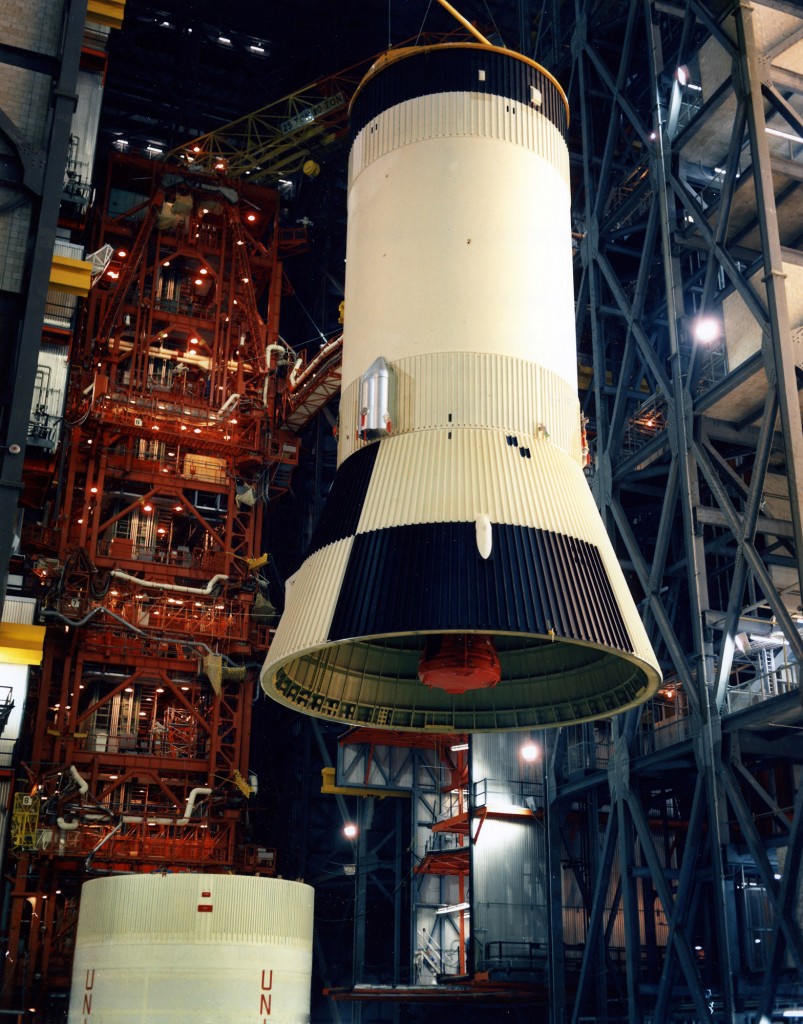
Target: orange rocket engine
<point>457,662</point>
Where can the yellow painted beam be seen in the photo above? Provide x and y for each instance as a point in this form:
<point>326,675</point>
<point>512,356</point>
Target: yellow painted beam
<point>21,644</point>
<point>106,12</point>
<point>73,276</point>
<point>328,786</point>
<point>241,784</point>
<point>25,820</point>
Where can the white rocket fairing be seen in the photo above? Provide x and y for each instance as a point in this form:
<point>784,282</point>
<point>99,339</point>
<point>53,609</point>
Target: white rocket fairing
<point>460,578</point>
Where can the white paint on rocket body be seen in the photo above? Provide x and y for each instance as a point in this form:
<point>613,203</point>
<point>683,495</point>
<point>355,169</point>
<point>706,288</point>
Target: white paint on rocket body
<point>459,235</point>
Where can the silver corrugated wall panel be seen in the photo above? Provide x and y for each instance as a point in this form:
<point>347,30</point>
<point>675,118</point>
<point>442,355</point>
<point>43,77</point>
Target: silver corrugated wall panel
<point>508,894</point>
<point>85,122</point>
<point>50,388</point>
<point>19,610</point>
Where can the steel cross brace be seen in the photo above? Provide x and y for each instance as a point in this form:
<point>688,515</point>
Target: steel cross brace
<point>685,956</point>
<point>597,911</point>
<point>787,920</point>
<point>678,919</point>
<point>746,532</point>
<point>781,896</point>
<point>752,556</point>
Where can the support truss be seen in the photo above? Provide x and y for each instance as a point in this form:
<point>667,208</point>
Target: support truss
<point>684,877</point>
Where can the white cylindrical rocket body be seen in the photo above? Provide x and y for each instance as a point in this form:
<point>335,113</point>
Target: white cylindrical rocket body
<point>470,515</point>
<point>459,237</point>
<point>459,243</point>
<point>181,948</point>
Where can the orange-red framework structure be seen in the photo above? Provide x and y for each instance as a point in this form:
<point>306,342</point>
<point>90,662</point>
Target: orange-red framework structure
<point>145,531</point>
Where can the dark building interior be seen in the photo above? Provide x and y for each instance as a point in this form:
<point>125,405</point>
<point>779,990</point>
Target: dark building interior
<point>174,200</point>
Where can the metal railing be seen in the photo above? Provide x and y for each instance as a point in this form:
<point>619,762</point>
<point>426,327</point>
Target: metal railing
<point>762,687</point>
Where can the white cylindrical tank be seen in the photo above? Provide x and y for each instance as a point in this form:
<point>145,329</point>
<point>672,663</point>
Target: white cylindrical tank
<point>459,253</point>
<point>192,949</point>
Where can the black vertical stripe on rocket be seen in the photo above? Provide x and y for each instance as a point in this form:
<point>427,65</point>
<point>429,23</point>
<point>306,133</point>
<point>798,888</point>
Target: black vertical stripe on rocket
<point>552,584</point>
<point>569,561</point>
<point>605,603</point>
<point>343,508</point>
<point>430,577</point>
<point>456,69</point>
<point>579,555</point>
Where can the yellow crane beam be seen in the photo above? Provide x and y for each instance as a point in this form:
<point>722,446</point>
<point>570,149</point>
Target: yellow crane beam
<point>279,138</point>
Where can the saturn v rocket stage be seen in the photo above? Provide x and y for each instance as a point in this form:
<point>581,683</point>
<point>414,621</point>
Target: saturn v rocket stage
<point>460,578</point>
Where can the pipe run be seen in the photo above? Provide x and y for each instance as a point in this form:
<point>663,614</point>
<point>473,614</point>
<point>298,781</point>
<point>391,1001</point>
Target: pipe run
<point>133,819</point>
<point>221,577</point>
<point>300,373</point>
<point>103,841</point>
<point>228,406</point>
<point>140,632</point>
<point>269,350</point>
<point>80,781</point>
<point>90,615</point>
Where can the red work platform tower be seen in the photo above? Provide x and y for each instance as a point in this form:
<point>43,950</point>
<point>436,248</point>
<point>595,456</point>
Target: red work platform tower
<point>150,554</point>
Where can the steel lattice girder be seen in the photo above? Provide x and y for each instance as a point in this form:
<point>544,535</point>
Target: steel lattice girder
<point>687,506</point>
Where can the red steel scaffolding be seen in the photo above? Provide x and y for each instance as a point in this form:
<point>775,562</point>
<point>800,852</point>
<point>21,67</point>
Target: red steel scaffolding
<point>145,527</point>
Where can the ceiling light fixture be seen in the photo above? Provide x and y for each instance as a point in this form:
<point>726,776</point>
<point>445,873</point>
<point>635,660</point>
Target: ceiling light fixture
<point>453,908</point>
<point>530,751</point>
<point>706,329</point>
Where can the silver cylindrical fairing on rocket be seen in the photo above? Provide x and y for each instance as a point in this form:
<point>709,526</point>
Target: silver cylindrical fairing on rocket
<point>460,578</point>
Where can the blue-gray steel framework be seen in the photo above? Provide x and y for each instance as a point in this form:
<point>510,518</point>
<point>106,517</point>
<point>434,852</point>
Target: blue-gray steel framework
<point>673,852</point>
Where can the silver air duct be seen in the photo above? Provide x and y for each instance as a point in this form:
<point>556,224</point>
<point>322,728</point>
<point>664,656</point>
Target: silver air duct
<point>460,578</point>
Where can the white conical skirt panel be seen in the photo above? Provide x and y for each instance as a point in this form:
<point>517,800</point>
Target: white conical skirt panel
<point>192,949</point>
<point>394,561</point>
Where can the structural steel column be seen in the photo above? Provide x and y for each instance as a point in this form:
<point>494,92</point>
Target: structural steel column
<point>779,358</point>
<point>708,527</point>
<point>45,195</point>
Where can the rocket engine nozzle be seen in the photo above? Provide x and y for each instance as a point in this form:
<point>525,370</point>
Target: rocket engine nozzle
<point>457,662</point>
